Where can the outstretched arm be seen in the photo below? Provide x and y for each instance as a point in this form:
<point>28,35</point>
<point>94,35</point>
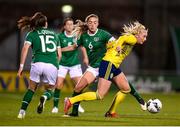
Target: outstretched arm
<point>69,48</point>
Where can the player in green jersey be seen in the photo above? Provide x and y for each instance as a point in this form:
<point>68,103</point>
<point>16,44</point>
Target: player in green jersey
<point>69,62</point>
<point>94,40</point>
<point>46,55</point>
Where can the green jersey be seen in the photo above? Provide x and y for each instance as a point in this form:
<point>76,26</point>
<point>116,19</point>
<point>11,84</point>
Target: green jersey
<point>69,58</point>
<point>44,45</point>
<point>95,45</point>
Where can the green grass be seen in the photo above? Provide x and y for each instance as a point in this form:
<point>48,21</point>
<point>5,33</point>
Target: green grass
<point>129,111</point>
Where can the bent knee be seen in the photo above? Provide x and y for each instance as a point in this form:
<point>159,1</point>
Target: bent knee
<point>126,91</point>
<point>81,85</point>
<point>78,88</point>
<point>99,95</point>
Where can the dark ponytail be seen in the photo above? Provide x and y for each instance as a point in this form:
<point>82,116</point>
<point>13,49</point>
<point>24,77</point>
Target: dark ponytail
<point>31,23</point>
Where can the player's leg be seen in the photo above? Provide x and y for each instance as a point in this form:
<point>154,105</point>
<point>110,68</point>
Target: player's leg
<point>35,73</point>
<point>56,95</point>
<point>80,108</point>
<point>75,74</point>
<point>49,77</point>
<point>47,95</point>
<point>27,99</point>
<point>59,85</point>
<point>103,87</point>
<point>122,84</point>
<point>138,97</point>
<point>87,78</point>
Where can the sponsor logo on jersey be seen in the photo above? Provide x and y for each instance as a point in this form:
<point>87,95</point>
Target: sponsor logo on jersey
<point>96,39</point>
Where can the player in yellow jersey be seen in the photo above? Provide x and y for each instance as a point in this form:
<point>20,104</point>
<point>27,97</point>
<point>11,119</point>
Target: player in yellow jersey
<point>134,33</point>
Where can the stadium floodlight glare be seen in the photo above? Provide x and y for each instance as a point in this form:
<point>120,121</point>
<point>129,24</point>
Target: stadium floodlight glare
<point>66,9</point>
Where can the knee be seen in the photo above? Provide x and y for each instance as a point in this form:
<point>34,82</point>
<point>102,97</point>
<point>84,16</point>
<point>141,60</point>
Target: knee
<point>32,88</point>
<point>77,89</point>
<point>126,90</point>
<point>99,95</point>
<point>60,86</point>
<point>80,86</point>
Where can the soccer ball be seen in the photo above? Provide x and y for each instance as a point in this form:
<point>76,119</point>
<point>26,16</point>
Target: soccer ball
<point>154,105</point>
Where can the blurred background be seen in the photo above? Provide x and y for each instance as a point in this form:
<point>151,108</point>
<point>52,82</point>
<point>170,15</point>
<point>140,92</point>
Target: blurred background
<point>154,66</point>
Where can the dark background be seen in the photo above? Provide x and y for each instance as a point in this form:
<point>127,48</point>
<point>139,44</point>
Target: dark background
<point>157,55</point>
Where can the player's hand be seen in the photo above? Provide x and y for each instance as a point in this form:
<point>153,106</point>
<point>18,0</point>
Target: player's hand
<point>118,49</point>
<point>19,74</point>
<point>75,45</point>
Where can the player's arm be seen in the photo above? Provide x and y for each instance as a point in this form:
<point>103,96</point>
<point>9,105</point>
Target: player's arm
<point>110,44</point>
<point>59,53</point>
<point>69,48</point>
<point>84,55</point>
<point>110,40</point>
<point>24,53</point>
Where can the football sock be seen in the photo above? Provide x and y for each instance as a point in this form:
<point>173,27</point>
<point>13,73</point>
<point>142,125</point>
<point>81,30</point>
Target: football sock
<point>48,94</point>
<point>119,97</point>
<point>75,105</point>
<point>27,99</point>
<point>57,93</point>
<point>136,94</point>
<point>84,97</point>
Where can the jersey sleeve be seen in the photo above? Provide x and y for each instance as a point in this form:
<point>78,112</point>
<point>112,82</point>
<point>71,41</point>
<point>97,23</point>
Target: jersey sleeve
<point>130,39</point>
<point>108,37</point>
<point>29,38</point>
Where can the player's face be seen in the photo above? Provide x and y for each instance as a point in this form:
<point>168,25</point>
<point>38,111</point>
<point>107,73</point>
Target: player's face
<point>141,37</point>
<point>92,24</point>
<point>69,26</point>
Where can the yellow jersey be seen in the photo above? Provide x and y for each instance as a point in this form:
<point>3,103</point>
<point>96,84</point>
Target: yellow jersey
<point>126,43</point>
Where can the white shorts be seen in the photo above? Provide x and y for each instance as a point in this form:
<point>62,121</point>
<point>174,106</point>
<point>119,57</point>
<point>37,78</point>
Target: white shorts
<point>94,71</point>
<point>45,72</point>
<point>74,71</point>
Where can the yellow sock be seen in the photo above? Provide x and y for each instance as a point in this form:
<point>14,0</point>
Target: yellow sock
<point>118,98</point>
<point>84,97</point>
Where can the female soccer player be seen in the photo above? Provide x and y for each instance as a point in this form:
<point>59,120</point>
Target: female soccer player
<point>46,55</point>
<point>109,70</point>
<point>69,62</point>
<point>94,40</point>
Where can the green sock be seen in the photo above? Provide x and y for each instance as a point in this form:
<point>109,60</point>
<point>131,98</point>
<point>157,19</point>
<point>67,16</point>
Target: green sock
<point>75,105</point>
<point>27,99</point>
<point>48,94</point>
<point>57,93</point>
<point>136,94</point>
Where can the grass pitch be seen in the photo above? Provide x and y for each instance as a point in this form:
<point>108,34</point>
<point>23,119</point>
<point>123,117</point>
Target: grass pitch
<point>129,111</point>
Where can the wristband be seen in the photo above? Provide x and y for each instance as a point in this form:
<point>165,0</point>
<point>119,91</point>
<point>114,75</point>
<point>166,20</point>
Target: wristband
<point>21,65</point>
